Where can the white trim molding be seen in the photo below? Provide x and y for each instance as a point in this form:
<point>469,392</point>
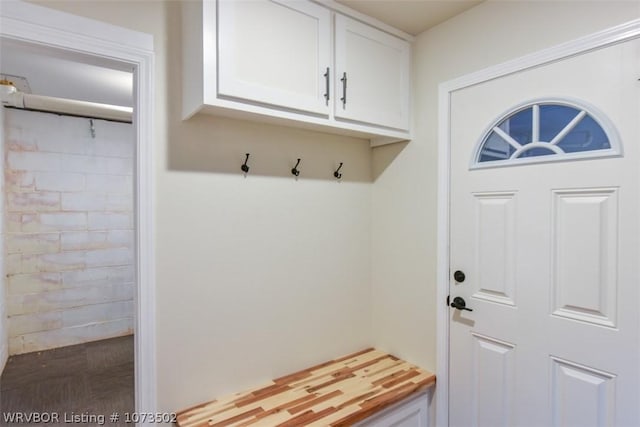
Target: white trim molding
<point>608,37</point>
<point>102,43</point>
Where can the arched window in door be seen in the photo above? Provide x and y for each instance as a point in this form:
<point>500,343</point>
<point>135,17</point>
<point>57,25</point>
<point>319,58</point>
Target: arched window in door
<point>544,131</point>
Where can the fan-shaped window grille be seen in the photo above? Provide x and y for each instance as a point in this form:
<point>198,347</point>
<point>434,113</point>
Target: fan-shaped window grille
<point>543,131</point>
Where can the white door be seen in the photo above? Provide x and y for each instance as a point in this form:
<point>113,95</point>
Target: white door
<point>548,244</point>
<point>372,75</point>
<point>275,52</point>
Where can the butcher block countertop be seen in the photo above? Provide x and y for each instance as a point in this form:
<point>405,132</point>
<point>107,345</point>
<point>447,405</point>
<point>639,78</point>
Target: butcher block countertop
<point>340,392</point>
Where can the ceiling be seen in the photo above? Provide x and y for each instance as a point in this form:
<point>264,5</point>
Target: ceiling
<point>51,73</point>
<point>411,16</point>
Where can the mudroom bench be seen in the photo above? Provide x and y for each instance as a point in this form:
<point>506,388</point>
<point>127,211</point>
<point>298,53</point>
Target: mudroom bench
<point>368,388</point>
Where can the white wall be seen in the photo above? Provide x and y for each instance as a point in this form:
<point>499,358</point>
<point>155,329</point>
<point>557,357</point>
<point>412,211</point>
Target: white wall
<point>404,193</point>
<point>4,330</point>
<point>69,240</point>
<point>264,275</point>
<point>256,276</point>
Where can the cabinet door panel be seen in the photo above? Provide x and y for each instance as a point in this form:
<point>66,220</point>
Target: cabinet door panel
<point>413,413</point>
<point>377,69</point>
<point>274,52</point>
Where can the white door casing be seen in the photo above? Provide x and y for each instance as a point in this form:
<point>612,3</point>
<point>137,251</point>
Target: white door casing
<point>550,253</point>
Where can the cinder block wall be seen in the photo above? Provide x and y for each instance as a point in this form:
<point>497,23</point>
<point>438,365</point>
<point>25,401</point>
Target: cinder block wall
<point>69,230</point>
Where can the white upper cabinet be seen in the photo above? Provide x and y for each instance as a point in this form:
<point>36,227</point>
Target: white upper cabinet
<point>282,61</point>
<point>275,52</point>
<point>372,75</point>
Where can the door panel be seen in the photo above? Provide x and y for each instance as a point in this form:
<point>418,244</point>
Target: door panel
<point>376,66</point>
<point>585,255</point>
<point>582,397</point>
<point>414,413</point>
<point>550,252</point>
<point>496,246</point>
<point>274,52</point>
<point>493,370</point>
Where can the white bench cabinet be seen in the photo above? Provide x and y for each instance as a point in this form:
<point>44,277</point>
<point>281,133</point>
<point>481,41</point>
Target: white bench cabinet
<point>412,412</point>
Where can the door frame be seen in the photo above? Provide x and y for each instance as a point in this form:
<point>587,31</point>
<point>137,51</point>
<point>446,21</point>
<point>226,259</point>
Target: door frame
<point>48,28</point>
<point>600,39</point>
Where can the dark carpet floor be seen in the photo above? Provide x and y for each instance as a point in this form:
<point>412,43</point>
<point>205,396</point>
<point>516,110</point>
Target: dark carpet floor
<point>79,383</point>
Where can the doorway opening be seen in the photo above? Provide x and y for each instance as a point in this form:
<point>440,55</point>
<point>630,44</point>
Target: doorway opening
<point>69,237</point>
<point>109,48</point>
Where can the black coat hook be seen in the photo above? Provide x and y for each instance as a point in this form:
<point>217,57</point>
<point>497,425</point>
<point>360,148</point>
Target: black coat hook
<point>337,173</point>
<point>295,171</point>
<point>245,167</point>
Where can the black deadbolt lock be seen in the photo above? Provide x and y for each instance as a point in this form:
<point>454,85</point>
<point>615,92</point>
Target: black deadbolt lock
<point>459,276</point>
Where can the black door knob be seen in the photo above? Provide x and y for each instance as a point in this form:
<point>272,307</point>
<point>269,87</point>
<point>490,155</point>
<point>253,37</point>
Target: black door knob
<point>460,304</point>
<point>459,276</point>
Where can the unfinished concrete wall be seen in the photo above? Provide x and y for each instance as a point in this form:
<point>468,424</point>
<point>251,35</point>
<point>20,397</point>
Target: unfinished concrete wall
<point>69,237</point>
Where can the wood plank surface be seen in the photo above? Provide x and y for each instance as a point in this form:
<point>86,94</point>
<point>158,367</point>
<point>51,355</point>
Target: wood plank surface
<point>336,393</point>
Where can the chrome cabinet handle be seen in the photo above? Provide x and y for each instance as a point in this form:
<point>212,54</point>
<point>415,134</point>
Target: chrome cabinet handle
<point>326,82</point>
<point>344,89</point>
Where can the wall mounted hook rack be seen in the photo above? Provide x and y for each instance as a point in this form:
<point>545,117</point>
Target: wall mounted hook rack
<point>245,167</point>
<point>295,171</point>
<point>337,173</point>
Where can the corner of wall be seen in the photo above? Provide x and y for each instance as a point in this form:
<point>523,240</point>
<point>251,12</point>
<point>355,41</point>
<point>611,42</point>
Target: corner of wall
<point>4,338</point>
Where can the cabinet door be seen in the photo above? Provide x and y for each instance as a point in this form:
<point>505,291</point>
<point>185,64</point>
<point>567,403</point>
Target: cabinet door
<point>274,52</point>
<point>376,66</point>
<point>407,414</point>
